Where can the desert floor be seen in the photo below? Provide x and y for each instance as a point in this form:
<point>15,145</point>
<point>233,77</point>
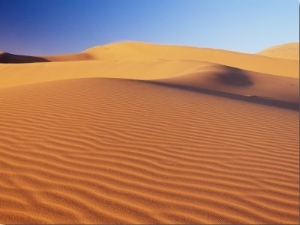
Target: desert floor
<point>142,133</point>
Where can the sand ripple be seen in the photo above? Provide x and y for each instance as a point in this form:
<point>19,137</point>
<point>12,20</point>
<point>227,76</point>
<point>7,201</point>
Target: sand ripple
<point>121,151</point>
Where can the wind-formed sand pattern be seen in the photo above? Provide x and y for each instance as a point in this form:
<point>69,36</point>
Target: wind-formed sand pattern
<point>142,133</point>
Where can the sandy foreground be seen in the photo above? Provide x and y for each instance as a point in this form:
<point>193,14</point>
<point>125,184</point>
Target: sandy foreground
<point>142,133</point>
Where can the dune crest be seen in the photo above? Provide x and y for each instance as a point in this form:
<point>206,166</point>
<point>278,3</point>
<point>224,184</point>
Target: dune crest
<point>140,50</point>
<point>147,51</point>
<point>285,51</point>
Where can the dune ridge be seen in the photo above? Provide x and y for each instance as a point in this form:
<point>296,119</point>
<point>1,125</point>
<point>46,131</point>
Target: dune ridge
<point>285,51</point>
<point>140,50</point>
<point>186,74</point>
<point>142,133</point>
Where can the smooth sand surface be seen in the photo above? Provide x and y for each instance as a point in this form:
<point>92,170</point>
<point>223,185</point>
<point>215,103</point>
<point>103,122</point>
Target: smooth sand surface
<point>145,136</point>
<point>285,51</point>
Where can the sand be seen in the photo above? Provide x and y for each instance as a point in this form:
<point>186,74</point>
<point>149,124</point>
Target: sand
<point>285,51</point>
<point>129,133</point>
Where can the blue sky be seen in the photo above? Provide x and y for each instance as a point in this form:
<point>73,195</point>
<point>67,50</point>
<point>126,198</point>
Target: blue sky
<point>43,27</point>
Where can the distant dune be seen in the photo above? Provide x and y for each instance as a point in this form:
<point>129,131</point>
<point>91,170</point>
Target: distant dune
<point>286,51</point>
<point>145,51</point>
<point>142,133</point>
<point>11,58</point>
<point>138,50</point>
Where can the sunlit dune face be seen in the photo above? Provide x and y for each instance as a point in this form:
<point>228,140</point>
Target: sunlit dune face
<point>286,51</point>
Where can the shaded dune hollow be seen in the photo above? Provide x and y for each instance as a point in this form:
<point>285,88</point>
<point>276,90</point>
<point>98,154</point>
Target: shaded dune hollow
<point>99,150</point>
<point>12,58</point>
<point>6,57</point>
<point>229,82</point>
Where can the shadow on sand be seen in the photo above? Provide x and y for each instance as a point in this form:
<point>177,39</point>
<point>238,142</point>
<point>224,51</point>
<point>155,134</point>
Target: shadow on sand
<point>11,58</point>
<point>232,76</point>
<point>251,99</point>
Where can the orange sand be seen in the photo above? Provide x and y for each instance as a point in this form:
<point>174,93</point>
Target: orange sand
<point>286,51</point>
<point>141,133</point>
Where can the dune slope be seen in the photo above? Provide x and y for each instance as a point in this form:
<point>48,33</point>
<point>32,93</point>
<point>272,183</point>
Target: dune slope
<point>199,76</point>
<point>12,58</point>
<point>285,51</point>
<point>146,51</point>
<point>122,151</point>
<point>192,73</point>
<point>229,81</point>
<point>140,50</point>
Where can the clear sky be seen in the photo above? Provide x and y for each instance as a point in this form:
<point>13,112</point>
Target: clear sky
<point>43,27</point>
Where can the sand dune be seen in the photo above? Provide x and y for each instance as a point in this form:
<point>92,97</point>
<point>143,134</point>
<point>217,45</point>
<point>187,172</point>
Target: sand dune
<point>185,74</point>
<point>86,139</point>
<point>138,50</point>
<point>12,58</point>
<point>224,79</point>
<point>22,74</point>
<point>286,51</point>
<point>69,57</point>
<point>145,51</point>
